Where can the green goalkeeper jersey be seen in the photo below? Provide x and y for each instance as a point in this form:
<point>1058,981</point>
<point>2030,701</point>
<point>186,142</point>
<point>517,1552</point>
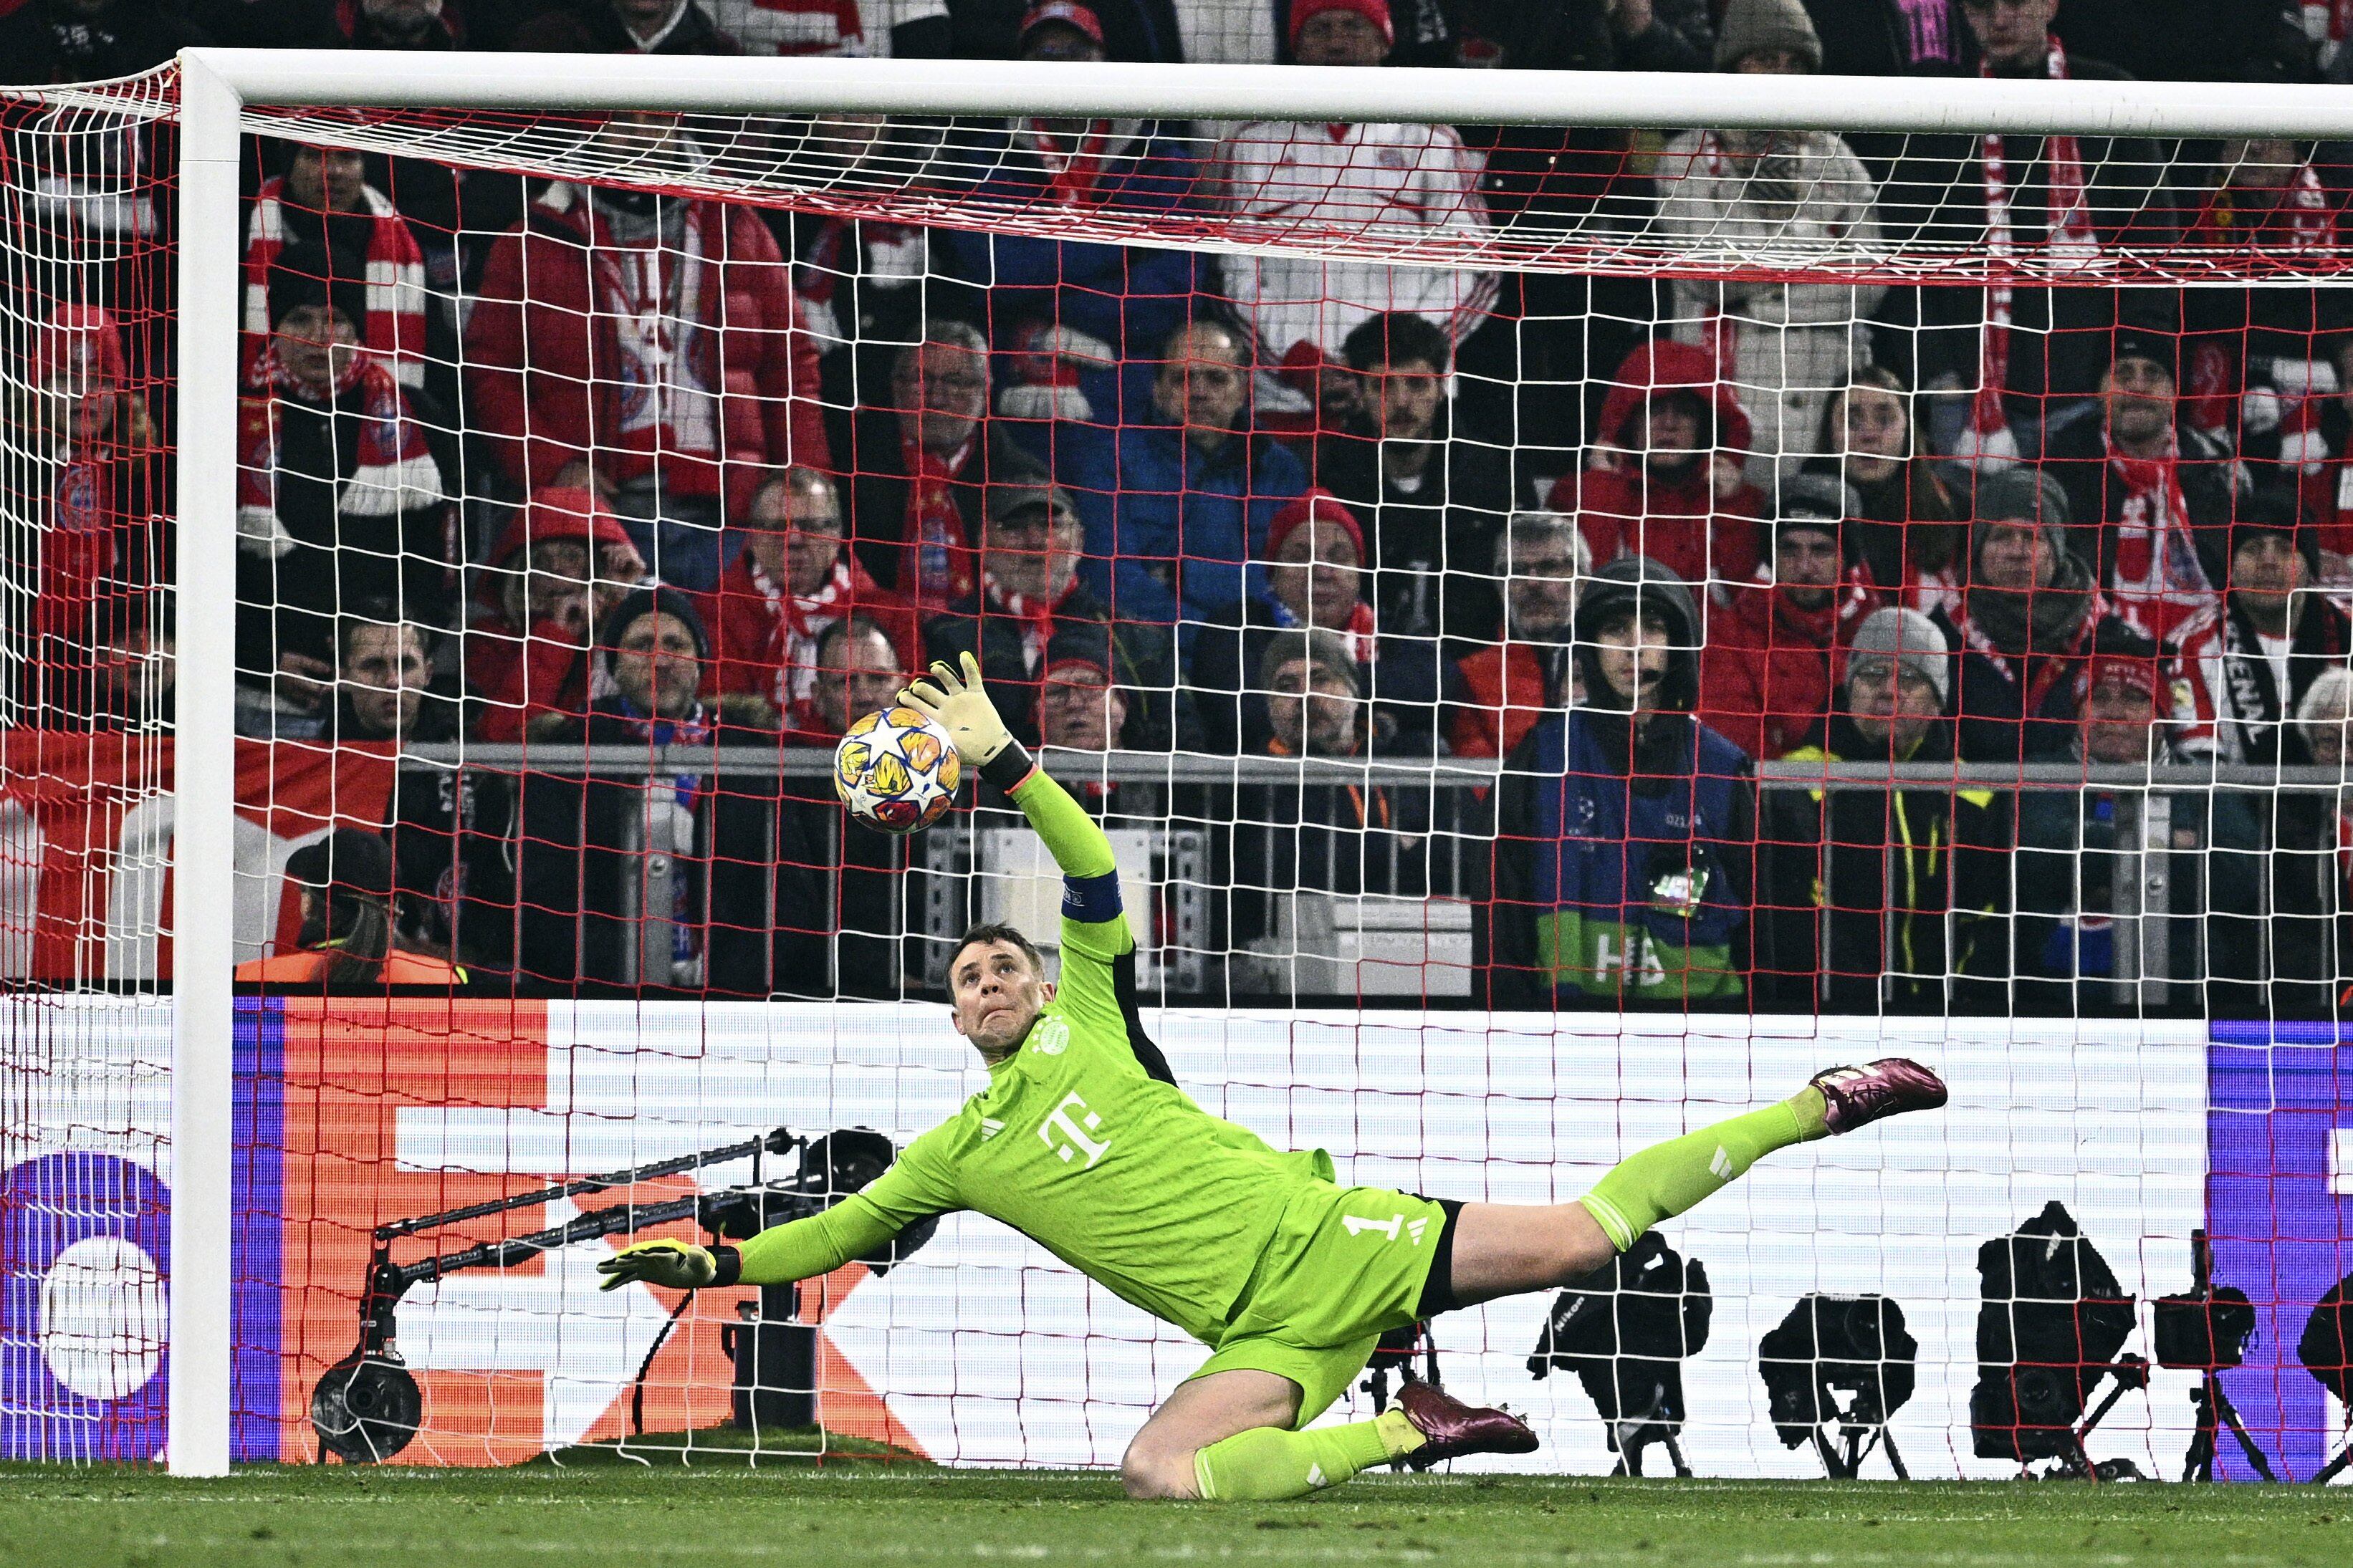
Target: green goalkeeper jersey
<point>1082,1142</point>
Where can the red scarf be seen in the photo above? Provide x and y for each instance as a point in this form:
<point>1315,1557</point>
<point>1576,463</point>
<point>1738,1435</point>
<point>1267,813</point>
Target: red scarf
<point>1852,600</point>
<point>1036,616</point>
<point>2068,240</point>
<point>2033,672</point>
<point>1073,172</point>
<point>2301,219</point>
<point>939,557</point>
<point>798,622</point>
<point>2158,580</point>
<point>392,441</point>
<point>1362,639</point>
<point>395,328</point>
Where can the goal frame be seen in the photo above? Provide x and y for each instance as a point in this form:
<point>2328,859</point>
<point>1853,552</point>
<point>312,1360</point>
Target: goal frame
<point>218,86</point>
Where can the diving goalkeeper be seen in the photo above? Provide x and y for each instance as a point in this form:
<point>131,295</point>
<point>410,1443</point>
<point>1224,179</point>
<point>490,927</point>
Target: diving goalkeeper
<point>1083,1142</point>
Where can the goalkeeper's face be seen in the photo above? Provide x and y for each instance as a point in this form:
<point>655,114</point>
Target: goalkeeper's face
<point>996,993</point>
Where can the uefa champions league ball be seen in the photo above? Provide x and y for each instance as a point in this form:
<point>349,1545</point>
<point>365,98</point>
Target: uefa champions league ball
<point>896,770</point>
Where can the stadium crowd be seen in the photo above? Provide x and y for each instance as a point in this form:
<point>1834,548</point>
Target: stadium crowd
<point>536,462</point>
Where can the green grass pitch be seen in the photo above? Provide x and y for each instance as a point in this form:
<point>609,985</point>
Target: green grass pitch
<point>881,1516</point>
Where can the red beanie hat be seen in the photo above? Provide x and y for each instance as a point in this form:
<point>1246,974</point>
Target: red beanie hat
<point>1315,503</point>
<point>1376,12</point>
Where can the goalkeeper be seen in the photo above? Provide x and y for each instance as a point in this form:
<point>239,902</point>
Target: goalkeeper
<point>1085,1144</point>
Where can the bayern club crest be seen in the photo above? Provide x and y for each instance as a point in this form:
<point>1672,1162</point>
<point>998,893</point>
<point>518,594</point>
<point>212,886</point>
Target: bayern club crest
<point>896,770</point>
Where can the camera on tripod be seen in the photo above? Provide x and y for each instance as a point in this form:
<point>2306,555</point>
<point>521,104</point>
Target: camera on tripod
<point>2050,1323</point>
<point>1625,1331</point>
<point>366,1407</point>
<point>2326,1349</point>
<point>1841,1363</point>
<point>2204,1330</point>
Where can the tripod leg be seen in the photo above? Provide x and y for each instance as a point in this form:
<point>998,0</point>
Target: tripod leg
<point>1828,1455</point>
<point>1887,1441</point>
<point>2198,1463</point>
<point>2335,1468</point>
<point>2230,1413</point>
<point>1676,1452</point>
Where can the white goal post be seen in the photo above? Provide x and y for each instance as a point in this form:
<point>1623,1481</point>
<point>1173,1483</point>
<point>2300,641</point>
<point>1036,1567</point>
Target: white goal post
<point>220,91</point>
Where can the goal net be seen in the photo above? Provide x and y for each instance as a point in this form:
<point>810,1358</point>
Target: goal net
<point>1569,630</point>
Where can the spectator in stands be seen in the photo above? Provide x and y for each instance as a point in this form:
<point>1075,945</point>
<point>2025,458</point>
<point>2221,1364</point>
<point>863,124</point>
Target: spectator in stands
<point>348,940</point>
<point>2154,493</point>
<point>1072,311</point>
<point>623,28</point>
<point>920,467</point>
<point>646,347</point>
<point>48,41</point>
<point>2244,666</point>
<point>1886,899</point>
<point>1079,706</point>
<point>2326,485</point>
<point>322,206</point>
<point>1770,669</point>
<point>791,581</point>
<point>1219,31</point>
<point>858,669</point>
<point>1590,34</point>
<point>1888,37</point>
<point>79,421</point>
<point>2248,364</point>
<point>127,679</point>
<point>1791,345</point>
<point>1320,178</point>
<point>2023,345</point>
<point>2310,944</point>
<point>1909,533</point>
<point>1311,836</point>
<point>1432,495</point>
<point>1527,671</point>
<point>1665,480</point>
<point>670,881</point>
<point>2075,848</point>
<point>2024,622</point>
<point>341,496</point>
<point>561,568</point>
<point>1029,593</point>
<point>384,679</point>
<point>1624,829</point>
<point>1175,509</point>
<point>892,29</point>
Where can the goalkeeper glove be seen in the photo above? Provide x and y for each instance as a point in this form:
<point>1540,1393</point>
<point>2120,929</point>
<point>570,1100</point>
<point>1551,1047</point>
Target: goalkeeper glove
<point>672,1265</point>
<point>959,705</point>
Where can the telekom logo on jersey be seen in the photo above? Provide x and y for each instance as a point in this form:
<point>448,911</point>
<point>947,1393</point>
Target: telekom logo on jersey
<point>1072,1121</point>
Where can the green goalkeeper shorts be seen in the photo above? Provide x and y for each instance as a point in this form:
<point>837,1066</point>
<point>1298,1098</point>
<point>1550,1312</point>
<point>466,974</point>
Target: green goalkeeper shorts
<point>1345,1266</point>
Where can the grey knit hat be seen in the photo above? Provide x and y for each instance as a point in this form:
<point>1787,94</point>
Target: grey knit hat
<point>1752,25</point>
<point>2022,494</point>
<point>1913,641</point>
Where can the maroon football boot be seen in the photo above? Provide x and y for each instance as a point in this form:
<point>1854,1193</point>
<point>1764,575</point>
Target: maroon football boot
<point>1857,1097</point>
<point>1455,1428</point>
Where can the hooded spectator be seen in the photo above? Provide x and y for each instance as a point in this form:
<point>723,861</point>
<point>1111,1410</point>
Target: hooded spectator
<point>561,567</point>
<point>1529,669</point>
<point>792,579</point>
<point>2023,624</point>
<point>1315,178</point>
<point>1624,829</point>
<point>1029,593</point>
<point>2243,665</point>
<point>672,416</point>
<point>2155,493</point>
<point>1887,900</point>
<point>341,494</point>
<point>1665,480</point>
<point>81,420</point>
<point>1789,345</point>
<point>1431,493</point>
<point>1770,669</point>
<point>1907,531</point>
<point>1176,508</point>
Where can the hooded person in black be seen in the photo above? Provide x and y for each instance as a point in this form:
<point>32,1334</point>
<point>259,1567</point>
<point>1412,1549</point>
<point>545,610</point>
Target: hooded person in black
<point>1626,828</point>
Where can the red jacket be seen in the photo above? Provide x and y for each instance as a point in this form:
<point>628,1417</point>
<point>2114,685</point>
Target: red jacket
<point>547,368</point>
<point>1768,670</point>
<point>1507,688</point>
<point>763,641</point>
<point>1623,510</point>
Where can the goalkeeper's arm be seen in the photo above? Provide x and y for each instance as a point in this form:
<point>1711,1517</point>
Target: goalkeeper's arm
<point>819,1244</point>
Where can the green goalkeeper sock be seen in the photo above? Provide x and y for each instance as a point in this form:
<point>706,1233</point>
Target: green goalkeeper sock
<point>1267,1464</point>
<point>1665,1179</point>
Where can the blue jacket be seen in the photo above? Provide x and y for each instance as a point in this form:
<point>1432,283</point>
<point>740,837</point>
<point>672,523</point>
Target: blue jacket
<point>1150,500</point>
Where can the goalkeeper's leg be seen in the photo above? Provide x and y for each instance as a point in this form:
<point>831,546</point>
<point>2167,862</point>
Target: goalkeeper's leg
<point>1503,1249</point>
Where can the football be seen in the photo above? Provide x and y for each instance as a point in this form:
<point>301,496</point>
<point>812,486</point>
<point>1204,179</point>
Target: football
<point>896,770</point>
